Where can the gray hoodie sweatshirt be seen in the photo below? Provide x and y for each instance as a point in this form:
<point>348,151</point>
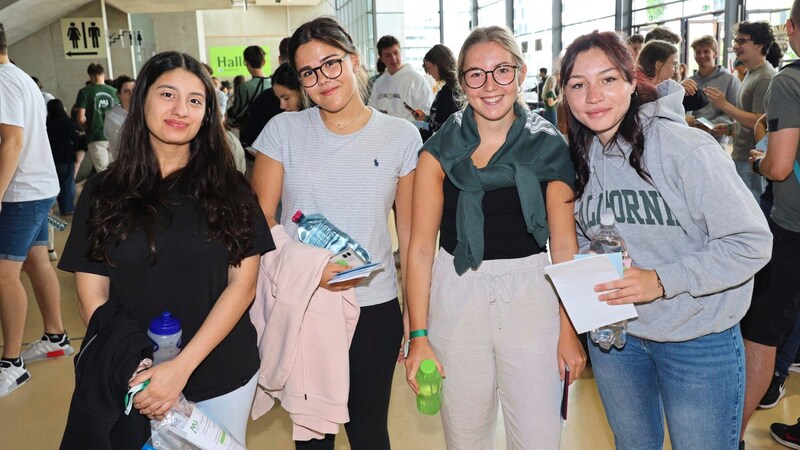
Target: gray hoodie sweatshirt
<point>697,225</point>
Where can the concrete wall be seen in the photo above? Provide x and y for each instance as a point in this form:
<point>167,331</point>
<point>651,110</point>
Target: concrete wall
<point>42,55</point>
<point>264,26</point>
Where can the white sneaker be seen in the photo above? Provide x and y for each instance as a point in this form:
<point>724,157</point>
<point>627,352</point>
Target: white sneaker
<point>52,255</point>
<point>12,377</point>
<point>44,349</point>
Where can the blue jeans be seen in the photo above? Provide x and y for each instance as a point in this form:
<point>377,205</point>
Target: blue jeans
<point>788,350</point>
<point>752,180</point>
<point>699,384</point>
<point>23,225</point>
<point>66,180</point>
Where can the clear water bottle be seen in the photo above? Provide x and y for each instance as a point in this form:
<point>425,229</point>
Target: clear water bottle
<point>316,230</point>
<point>58,223</point>
<point>608,240</point>
<point>429,400</point>
<point>186,427</point>
<point>165,332</point>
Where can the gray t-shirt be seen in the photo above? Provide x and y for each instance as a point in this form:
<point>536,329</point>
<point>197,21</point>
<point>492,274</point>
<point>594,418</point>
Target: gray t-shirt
<point>350,179</point>
<point>783,111</point>
<point>751,99</point>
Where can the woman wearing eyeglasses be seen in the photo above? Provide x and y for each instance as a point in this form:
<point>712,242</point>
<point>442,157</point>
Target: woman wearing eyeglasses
<point>496,181</point>
<point>349,163</point>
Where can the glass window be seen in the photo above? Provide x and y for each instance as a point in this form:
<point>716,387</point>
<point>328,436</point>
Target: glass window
<point>421,31</point>
<point>530,17</point>
<point>457,23</point>
<point>570,32</point>
<point>492,13</point>
<point>575,11</point>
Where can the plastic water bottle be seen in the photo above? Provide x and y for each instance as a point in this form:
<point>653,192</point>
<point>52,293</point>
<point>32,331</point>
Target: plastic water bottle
<point>165,332</point>
<point>316,230</point>
<point>186,427</point>
<point>58,223</point>
<point>429,380</point>
<point>608,240</point>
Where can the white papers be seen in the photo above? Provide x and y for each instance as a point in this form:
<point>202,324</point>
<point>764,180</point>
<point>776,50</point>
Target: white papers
<point>357,272</point>
<point>575,281</point>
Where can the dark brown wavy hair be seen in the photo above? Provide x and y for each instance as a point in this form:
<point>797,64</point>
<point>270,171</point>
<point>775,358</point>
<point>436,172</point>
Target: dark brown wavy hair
<point>132,194</point>
<point>630,130</point>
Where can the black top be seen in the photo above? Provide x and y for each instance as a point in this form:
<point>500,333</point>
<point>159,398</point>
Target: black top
<point>696,101</point>
<point>63,136</point>
<point>505,235</point>
<point>444,105</point>
<point>264,107</point>
<point>187,277</point>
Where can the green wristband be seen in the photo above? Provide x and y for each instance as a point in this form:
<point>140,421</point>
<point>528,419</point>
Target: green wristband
<point>418,333</point>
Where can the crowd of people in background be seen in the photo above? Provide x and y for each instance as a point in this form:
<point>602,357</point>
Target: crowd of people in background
<point>189,174</point>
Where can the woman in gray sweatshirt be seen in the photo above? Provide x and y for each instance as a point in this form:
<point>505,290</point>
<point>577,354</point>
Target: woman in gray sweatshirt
<point>696,237</point>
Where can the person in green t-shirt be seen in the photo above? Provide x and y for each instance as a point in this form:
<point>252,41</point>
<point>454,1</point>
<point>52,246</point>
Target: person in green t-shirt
<point>93,102</point>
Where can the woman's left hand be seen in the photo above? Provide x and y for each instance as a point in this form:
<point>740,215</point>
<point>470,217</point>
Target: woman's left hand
<point>637,286</point>
<point>570,354</point>
<point>167,381</point>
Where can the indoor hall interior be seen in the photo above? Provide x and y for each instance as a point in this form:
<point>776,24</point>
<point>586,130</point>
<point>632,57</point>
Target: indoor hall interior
<point>33,417</point>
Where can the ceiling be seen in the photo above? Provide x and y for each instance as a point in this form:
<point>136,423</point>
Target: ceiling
<point>38,14</point>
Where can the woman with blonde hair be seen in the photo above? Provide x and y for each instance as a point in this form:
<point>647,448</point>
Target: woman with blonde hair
<point>496,181</point>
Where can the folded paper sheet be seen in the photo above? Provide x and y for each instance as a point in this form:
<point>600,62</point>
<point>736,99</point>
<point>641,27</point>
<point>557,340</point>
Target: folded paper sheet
<point>575,281</point>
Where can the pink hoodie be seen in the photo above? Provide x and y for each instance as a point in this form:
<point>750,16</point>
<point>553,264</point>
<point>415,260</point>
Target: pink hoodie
<point>304,336</point>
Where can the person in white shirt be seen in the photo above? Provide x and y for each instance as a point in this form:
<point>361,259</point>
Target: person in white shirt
<point>400,90</point>
<point>116,117</point>
<point>28,187</point>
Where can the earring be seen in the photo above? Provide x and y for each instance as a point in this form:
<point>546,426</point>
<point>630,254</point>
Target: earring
<point>634,95</point>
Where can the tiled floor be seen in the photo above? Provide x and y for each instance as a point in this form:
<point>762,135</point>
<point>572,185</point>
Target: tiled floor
<point>33,417</point>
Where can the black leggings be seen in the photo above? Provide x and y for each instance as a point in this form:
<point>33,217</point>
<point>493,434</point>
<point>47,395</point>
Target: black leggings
<point>373,356</point>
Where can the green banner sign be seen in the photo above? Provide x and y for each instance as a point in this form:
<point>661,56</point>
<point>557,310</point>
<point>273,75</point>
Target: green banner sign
<point>228,62</point>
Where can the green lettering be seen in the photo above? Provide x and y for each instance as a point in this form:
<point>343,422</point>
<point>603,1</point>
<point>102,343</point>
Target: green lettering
<point>632,206</point>
<point>651,209</point>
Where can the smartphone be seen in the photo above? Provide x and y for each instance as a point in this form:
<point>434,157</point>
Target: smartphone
<point>410,109</point>
<point>347,258</point>
<point>706,123</point>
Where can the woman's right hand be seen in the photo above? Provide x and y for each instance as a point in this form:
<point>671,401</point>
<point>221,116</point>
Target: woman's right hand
<point>419,351</point>
<point>331,269</point>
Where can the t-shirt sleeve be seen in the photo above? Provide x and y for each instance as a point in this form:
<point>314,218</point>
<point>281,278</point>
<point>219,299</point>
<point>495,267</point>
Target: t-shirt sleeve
<point>421,94</point>
<point>11,107</point>
<point>81,102</point>
<point>554,160</point>
<point>783,103</point>
<point>74,258</point>
<point>263,242</point>
<point>759,94</point>
<point>412,146</point>
<point>270,140</point>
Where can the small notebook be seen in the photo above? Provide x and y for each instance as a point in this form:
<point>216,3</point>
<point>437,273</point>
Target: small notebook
<point>356,272</point>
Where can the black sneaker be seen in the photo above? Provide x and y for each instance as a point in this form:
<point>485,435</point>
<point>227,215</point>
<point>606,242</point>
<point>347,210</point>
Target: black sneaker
<point>787,435</point>
<point>775,392</point>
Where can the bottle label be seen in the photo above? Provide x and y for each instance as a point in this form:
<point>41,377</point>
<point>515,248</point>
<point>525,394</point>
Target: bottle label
<point>206,434</point>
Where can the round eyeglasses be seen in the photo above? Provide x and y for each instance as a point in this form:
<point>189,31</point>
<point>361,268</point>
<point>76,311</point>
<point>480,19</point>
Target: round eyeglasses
<point>331,69</point>
<point>740,41</point>
<point>503,75</point>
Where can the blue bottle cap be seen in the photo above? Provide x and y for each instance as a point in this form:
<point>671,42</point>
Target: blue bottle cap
<point>165,324</point>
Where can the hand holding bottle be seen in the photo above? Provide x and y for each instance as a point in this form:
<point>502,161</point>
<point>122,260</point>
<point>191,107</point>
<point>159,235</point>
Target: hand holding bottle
<point>167,381</point>
<point>637,286</point>
<point>419,350</point>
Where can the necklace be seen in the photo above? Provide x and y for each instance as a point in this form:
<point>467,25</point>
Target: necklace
<point>342,127</point>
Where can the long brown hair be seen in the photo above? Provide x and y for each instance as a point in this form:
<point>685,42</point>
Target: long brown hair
<point>630,130</point>
<point>132,194</point>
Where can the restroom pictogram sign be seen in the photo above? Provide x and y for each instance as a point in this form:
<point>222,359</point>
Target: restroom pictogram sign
<point>83,37</point>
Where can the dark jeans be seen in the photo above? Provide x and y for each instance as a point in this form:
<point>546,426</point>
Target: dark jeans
<point>788,350</point>
<point>373,356</point>
<point>66,180</point>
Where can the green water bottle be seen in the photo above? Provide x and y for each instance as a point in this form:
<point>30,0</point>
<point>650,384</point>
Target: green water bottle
<point>429,379</point>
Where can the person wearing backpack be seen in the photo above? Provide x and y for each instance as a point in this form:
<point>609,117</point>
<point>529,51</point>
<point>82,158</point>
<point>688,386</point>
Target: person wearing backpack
<point>237,114</point>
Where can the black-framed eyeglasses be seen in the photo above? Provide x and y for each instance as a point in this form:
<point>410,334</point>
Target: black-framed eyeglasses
<point>332,69</point>
<point>503,75</point>
<point>740,41</point>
